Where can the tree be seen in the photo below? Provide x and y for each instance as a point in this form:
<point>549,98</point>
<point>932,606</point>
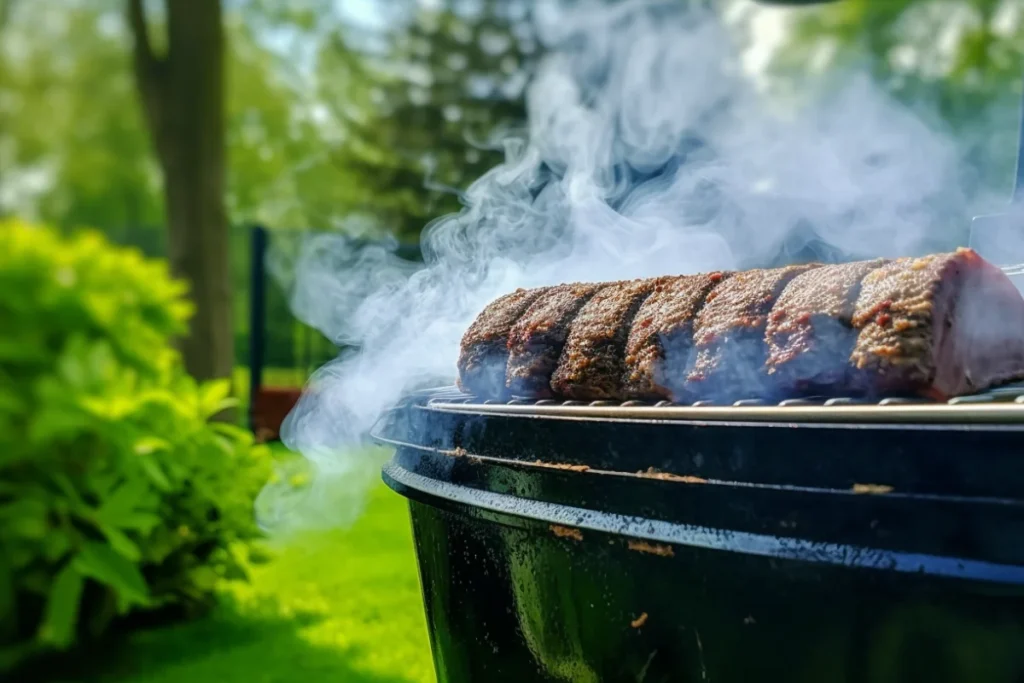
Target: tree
<point>182,96</point>
<point>961,60</point>
<point>424,107</point>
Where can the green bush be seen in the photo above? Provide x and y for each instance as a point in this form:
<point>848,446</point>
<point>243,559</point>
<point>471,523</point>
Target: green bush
<point>118,494</point>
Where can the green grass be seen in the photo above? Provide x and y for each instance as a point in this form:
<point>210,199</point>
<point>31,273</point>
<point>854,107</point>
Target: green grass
<point>332,606</point>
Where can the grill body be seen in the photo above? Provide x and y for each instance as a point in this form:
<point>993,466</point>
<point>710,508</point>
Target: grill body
<point>600,543</point>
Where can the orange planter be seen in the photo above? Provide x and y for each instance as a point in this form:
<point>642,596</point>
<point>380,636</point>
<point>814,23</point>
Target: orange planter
<point>270,408</point>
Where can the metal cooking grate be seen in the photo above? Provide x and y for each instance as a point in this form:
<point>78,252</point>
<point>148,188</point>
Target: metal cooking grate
<point>1003,404</point>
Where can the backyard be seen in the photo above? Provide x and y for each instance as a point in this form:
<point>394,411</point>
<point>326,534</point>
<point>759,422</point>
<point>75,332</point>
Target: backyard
<point>340,605</point>
<point>335,190</point>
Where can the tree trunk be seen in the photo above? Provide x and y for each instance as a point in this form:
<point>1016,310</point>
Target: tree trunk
<point>182,94</point>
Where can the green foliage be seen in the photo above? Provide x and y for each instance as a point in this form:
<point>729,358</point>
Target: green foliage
<point>960,60</point>
<point>117,492</point>
<point>427,106</point>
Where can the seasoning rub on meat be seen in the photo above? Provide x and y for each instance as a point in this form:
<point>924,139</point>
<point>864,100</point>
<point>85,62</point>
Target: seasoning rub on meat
<point>936,326</point>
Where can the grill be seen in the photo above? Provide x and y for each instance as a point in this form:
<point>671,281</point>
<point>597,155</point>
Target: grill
<point>809,541</point>
<point>804,541</point>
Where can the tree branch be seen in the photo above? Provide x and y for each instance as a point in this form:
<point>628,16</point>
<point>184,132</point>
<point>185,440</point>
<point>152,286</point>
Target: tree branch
<point>149,72</point>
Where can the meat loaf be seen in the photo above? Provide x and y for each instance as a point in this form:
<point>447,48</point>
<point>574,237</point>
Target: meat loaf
<point>729,334</point>
<point>536,340</point>
<point>661,339</point>
<point>483,355</point>
<point>938,326</point>
<point>592,363</point>
<point>810,329</point>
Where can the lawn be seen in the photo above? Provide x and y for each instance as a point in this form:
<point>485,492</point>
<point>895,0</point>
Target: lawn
<point>339,606</point>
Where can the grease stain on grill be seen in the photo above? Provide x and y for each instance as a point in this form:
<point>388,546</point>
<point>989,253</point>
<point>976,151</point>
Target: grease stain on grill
<point>639,621</point>
<point>566,532</point>
<point>872,489</point>
<point>561,466</point>
<point>652,473</point>
<point>651,548</point>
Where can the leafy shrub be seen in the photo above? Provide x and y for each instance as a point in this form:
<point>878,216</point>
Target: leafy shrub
<point>118,495</point>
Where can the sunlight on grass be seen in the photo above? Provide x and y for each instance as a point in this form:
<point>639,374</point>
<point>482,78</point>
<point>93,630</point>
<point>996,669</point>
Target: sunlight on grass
<point>333,606</point>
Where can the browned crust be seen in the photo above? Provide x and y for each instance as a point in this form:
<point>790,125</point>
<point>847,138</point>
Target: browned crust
<point>536,340</point>
<point>810,331</point>
<point>483,354</point>
<point>661,338</point>
<point>938,326</point>
<point>592,363</point>
<point>729,333</point>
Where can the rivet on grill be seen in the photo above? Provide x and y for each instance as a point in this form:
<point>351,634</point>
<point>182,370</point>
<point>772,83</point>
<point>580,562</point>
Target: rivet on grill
<point>703,404</point>
<point>1019,399</point>
<point>572,403</point>
<point>798,402</point>
<point>634,404</point>
<point>601,404</point>
<point>663,404</point>
<point>547,402</point>
<point>748,403</point>
<point>491,402</point>
<point>961,400</point>
<point>902,401</point>
<point>845,401</point>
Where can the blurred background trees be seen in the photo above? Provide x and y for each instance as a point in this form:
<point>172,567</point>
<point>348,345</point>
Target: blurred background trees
<point>960,59</point>
<point>369,117</point>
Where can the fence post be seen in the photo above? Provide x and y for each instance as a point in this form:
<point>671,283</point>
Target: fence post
<point>257,316</point>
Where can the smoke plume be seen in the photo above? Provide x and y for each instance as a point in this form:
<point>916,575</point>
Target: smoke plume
<point>649,152</point>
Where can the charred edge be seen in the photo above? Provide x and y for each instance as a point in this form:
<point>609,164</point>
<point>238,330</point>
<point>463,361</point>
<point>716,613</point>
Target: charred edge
<point>571,380</point>
<point>684,391</point>
<point>846,323</point>
<point>639,621</point>
<point>652,548</point>
<point>742,340</point>
<point>851,376</point>
<point>539,385</point>
<point>651,473</point>
<point>566,532</point>
<point>659,381</point>
<point>629,320</point>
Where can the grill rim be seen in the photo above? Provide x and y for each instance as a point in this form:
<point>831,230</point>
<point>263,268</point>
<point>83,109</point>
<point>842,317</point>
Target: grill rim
<point>447,494</point>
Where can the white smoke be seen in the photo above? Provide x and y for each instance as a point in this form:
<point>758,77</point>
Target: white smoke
<point>649,153</point>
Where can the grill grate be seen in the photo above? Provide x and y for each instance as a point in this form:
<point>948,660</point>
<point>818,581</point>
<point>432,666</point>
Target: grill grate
<point>1001,405</point>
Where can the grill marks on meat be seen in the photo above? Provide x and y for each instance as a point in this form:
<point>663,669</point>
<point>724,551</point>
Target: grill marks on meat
<point>938,326</point>
<point>729,333</point>
<point>810,327</point>
<point>483,355</point>
<point>592,363</point>
<point>536,340</point>
<point>658,350</point>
